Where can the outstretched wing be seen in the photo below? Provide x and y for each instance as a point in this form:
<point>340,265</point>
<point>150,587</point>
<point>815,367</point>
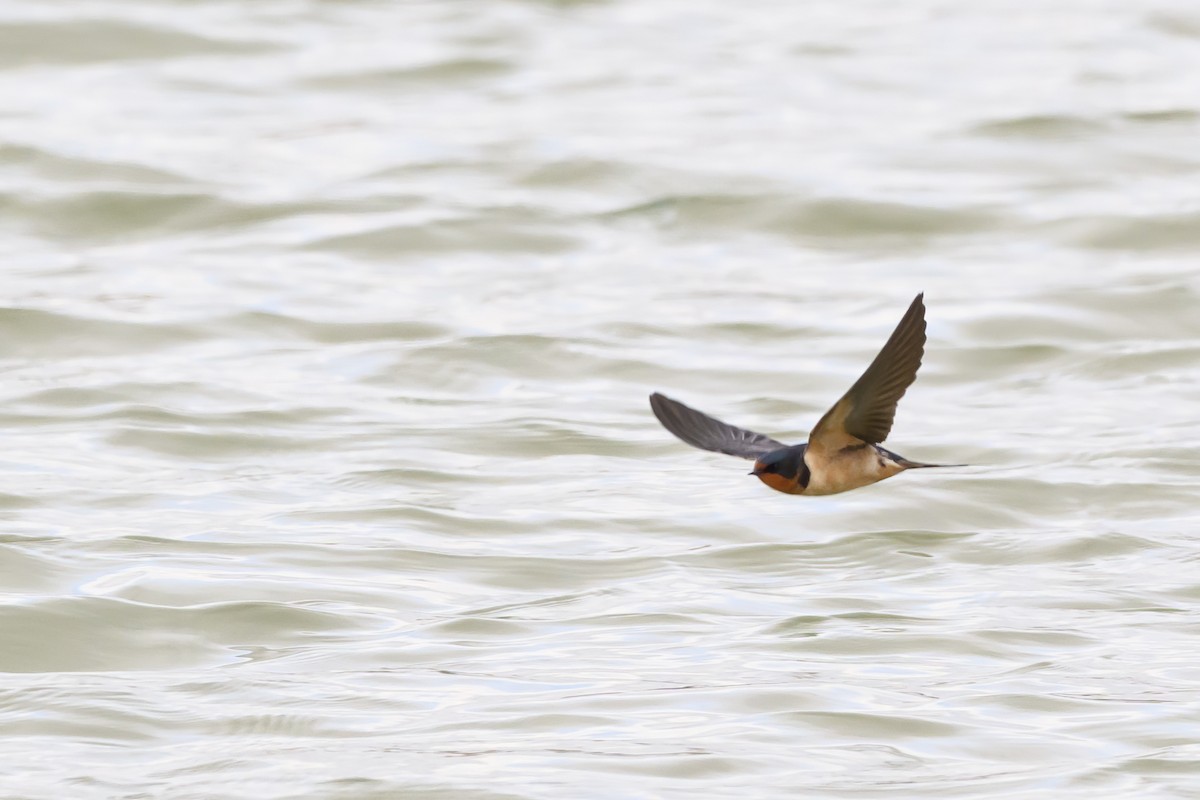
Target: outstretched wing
<point>701,430</point>
<point>865,413</point>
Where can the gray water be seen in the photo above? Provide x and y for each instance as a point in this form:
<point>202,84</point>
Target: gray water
<point>326,337</point>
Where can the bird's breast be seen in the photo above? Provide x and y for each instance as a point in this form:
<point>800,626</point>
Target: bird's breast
<point>848,468</point>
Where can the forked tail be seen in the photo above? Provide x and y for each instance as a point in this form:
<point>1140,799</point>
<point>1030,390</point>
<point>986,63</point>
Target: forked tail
<point>904,462</point>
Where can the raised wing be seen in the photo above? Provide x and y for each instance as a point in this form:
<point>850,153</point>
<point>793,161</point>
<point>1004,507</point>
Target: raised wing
<point>701,430</point>
<point>865,413</point>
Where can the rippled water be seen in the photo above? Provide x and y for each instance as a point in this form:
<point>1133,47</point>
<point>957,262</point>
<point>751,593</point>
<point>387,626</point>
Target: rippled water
<point>325,344</point>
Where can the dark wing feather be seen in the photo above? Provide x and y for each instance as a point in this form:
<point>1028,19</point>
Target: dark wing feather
<point>867,411</point>
<point>701,430</point>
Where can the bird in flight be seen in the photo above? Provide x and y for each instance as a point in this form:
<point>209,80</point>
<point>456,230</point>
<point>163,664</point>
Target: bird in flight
<point>843,451</point>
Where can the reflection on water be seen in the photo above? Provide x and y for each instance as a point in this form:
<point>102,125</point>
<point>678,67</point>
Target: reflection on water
<point>326,342</point>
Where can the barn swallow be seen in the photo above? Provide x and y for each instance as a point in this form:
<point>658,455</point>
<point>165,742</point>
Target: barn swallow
<point>843,451</point>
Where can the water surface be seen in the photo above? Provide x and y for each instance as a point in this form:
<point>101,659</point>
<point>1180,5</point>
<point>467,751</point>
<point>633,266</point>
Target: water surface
<point>325,342</point>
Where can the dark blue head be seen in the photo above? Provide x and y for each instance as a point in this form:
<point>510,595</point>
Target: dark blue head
<point>784,469</point>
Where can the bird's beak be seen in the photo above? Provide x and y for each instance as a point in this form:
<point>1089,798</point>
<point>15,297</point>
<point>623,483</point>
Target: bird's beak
<point>756,471</point>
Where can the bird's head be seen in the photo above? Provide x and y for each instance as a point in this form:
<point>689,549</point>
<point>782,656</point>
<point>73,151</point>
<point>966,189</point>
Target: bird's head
<point>783,470</point>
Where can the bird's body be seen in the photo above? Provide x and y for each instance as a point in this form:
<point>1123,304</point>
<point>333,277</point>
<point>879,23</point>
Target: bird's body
<point>842,452</point>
